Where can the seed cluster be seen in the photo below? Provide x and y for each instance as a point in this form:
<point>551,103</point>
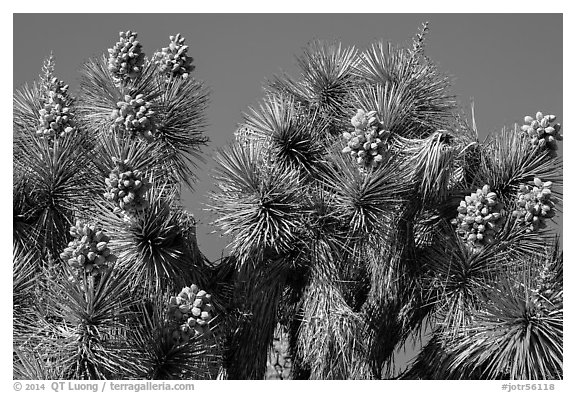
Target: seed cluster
<point>479,217</point>
<point>126,58</point>
<point>189,314</point>
<point>127,188</point>
<point>134,116</point>
<point>534,204</point>
<point>173,60</point>
<point>89,249</point>
<point>56,118</point>
<point>542,131</point>
<point>367,143</point>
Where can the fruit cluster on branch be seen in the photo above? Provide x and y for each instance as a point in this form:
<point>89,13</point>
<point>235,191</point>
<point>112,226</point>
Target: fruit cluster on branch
<point>534,205</point>
<point>480,216</point>
<point>367,142</point>
<point>127,188</point>
<point>134,116</point>
<point>542,131</point>
<point>126,58</point>
<point>189,313</point>
<point>89,250</point>
<point>56,118</point>
<point>173,60</point>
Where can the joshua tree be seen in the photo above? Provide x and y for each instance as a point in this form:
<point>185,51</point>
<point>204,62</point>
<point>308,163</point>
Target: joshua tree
<point>363,209</point>
<point>107,275</point>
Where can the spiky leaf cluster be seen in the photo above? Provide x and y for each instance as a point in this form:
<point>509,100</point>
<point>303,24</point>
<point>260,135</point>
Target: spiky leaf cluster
<point>257,202</point>
<point>134,117</point>
<point>480,216</point>
<point>126,187</point>
<point>126,59</point>
<point>367,143</point>
<point>173,60</point>
<point>542,131</point>
<point>89,250</point>
<point>85,320</point>
<point>534,205</point>
<point>516,334</point>
<point>189,314</point>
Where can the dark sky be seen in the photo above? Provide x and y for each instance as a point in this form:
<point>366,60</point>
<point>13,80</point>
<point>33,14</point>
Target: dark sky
<point>511,64</point>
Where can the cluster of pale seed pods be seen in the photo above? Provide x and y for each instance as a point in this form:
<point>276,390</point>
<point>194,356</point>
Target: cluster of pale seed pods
<point>89,250</point>
<point>173,60</point>
<point>534,205</point>
<point>367,142</point>
<point>189,314</point>
<point>480,216</point>
<point>134,117</point>
<point>126,59</point>
<point>542,131</point>
<point>56,117</point>
<point>127,188</point>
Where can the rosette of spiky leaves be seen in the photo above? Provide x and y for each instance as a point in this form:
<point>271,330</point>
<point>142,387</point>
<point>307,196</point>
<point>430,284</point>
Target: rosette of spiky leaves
<point>516,334</point>
<point>86,321</point>
<point>498,317</point>
<point>99,96</point>
<point>543,133</point>
<point>508,162</point>
<point>430,163</point>
<point>179,112</point>
<point>295,136</point>
<point>416,81</point>
<point>126,59</point>
<point>181,122</point>
<point>534,205</point>
<point>391,102</point>
<point>461,272</point>
<point>456,276</point>
<point>60,183</point>
<point>366,201</point>
<point>88,251</point>
<point>197,358</point>
<point>151,246</point>
<point>325,82</point>
<point>173,60</point>
<point>258,204</point>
